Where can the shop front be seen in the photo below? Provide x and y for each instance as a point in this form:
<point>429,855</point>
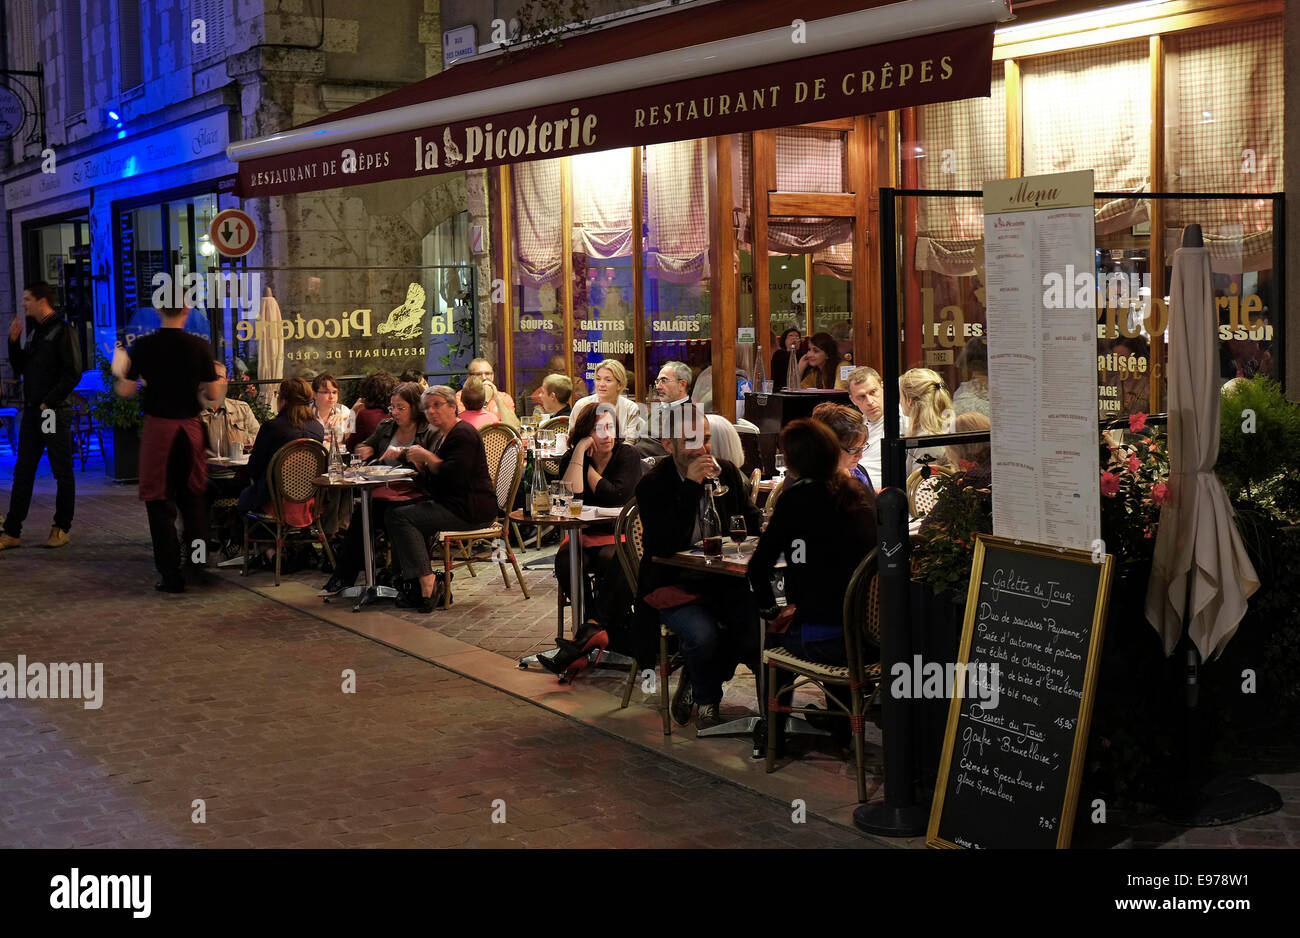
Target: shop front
<point>117,228</point>
<point>623,223</point>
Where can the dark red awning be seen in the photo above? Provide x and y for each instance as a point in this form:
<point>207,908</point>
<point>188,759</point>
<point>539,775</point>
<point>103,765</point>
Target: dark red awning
<point>946,66</point>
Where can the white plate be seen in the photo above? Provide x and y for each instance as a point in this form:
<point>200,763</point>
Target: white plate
<point>385,473</point>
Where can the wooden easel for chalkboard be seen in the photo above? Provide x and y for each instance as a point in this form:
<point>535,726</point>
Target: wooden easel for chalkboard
<point>1009,774</point>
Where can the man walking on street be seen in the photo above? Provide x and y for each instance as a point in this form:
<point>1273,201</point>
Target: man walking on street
<point>50,366</point>
<point>176,366</point>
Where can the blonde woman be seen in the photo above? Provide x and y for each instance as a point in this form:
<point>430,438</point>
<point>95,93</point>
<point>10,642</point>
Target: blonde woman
<point>610,380</point>
<point>927,410</point>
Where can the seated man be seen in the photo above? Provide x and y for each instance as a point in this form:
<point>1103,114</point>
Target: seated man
<point>498,403</point>
<point>553,395</point>
<point>455,474</point>
<point>225,421</point>
<point>473,396</point>
<point>713,616</point>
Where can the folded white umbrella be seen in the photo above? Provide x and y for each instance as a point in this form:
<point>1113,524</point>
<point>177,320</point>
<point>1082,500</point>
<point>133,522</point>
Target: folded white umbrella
<point>1199,555</point>
<point>270,356</point>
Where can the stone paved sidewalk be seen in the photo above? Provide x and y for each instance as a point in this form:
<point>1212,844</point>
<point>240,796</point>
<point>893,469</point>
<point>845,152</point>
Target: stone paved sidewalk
<point>224,677</point>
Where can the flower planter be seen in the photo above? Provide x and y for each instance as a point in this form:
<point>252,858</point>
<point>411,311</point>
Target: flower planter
<point>122,462</point>
<point>936,631</point>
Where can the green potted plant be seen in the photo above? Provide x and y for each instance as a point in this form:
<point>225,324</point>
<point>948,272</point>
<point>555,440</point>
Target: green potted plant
<point>123,417</point>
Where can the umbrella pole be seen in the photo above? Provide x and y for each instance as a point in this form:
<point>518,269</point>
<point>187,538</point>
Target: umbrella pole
<point>1199,799</point>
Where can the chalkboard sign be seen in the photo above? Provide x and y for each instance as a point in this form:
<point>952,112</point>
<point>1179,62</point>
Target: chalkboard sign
<point>1021,697</point>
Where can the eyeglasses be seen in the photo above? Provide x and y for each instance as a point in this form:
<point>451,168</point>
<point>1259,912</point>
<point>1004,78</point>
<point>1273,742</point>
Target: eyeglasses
<point>855,451</point>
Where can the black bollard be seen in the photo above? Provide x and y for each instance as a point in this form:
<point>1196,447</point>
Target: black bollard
<point>900,815</point>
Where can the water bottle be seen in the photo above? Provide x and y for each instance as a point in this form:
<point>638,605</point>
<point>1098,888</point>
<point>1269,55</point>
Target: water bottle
<point>541,491</point>
<point>336,459</point>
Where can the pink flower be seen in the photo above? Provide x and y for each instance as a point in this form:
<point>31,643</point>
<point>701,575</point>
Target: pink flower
<point>1133,463</point>
<point>1160,492</point>
<point>966,464</point>
<point>1109,483</point>
<point>1137,422</point>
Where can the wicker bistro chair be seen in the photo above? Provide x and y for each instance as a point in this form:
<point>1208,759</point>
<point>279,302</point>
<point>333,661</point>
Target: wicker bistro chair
<point>291,480</point>
<point>496,437</point>
<point>630,550</point>
<point>554,423</point>
<point>861,633</point>
<point>506,471</point>
<point>921,495</point>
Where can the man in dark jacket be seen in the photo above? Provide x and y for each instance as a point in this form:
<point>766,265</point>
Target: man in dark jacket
<point>713,616</point>
<point>50,366</point>
<point>455,473</point>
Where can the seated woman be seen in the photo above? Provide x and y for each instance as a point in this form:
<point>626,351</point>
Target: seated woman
<point>726,441</point>
<point>972,462</point>
<point>787,349</point>
<point>610,380</point>
<point>927,408</point>
<point>606,471</point>
<point>831,520</point>
<point>473,396</point>
<point>387,446</point>
<point>454,471</point>
<point>371,408</point>
<point>851,433</point>
<point>818,365</point>
<point>294,421</point>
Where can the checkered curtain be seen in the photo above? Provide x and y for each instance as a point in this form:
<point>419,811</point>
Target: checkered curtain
<point>1224,113</point>
<point>959,145</point>
<point>1091,109</point>
<point>602,204</point>
<point>836,260</point>
<point>677,210</point>
<point>809,160</point>
<point>539,239</point>
<point>742,175</point>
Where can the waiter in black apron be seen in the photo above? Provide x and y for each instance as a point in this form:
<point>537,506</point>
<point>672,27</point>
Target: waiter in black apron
<point>175,366</point>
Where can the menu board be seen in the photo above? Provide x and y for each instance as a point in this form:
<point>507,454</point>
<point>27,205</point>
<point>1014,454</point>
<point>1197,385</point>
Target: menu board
<point>1021,697</point>
<point>1042,351</point>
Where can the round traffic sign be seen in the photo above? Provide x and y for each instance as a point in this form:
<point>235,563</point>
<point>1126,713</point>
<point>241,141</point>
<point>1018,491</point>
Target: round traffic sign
<point>233,232</point>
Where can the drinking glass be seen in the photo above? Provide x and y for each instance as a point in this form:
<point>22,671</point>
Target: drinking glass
<point>559,498</point>
<point>780,465</point>
<point>739,531</point>
<point>575,507</point>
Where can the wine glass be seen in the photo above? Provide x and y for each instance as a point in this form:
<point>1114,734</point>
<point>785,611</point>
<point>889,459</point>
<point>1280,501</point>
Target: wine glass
<point>780,465</point>
<point>739,531</point>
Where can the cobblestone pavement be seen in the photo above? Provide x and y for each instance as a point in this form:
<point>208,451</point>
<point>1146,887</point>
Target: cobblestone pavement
<point>227,696</point>
<point>224,696</point>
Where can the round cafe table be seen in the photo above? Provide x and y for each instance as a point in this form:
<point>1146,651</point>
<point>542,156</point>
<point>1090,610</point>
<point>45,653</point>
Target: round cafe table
<point>369,591</point>
<point>571,526</point>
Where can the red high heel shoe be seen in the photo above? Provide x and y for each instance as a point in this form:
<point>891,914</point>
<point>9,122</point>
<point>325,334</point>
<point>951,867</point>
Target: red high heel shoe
<point>572,656</point>
<point>571,673</point>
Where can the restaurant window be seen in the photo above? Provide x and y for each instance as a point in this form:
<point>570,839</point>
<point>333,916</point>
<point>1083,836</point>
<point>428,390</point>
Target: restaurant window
<point>604,307</point>
<point>676,294</point>
<point>1224,111</point>
<point>448,282</point>
<point>165,254</point>
<point>536,275</point>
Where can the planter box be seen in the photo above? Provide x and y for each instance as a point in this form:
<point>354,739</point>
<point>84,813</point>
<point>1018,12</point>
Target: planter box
<point>936,636</point>
<point>122,461</point>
